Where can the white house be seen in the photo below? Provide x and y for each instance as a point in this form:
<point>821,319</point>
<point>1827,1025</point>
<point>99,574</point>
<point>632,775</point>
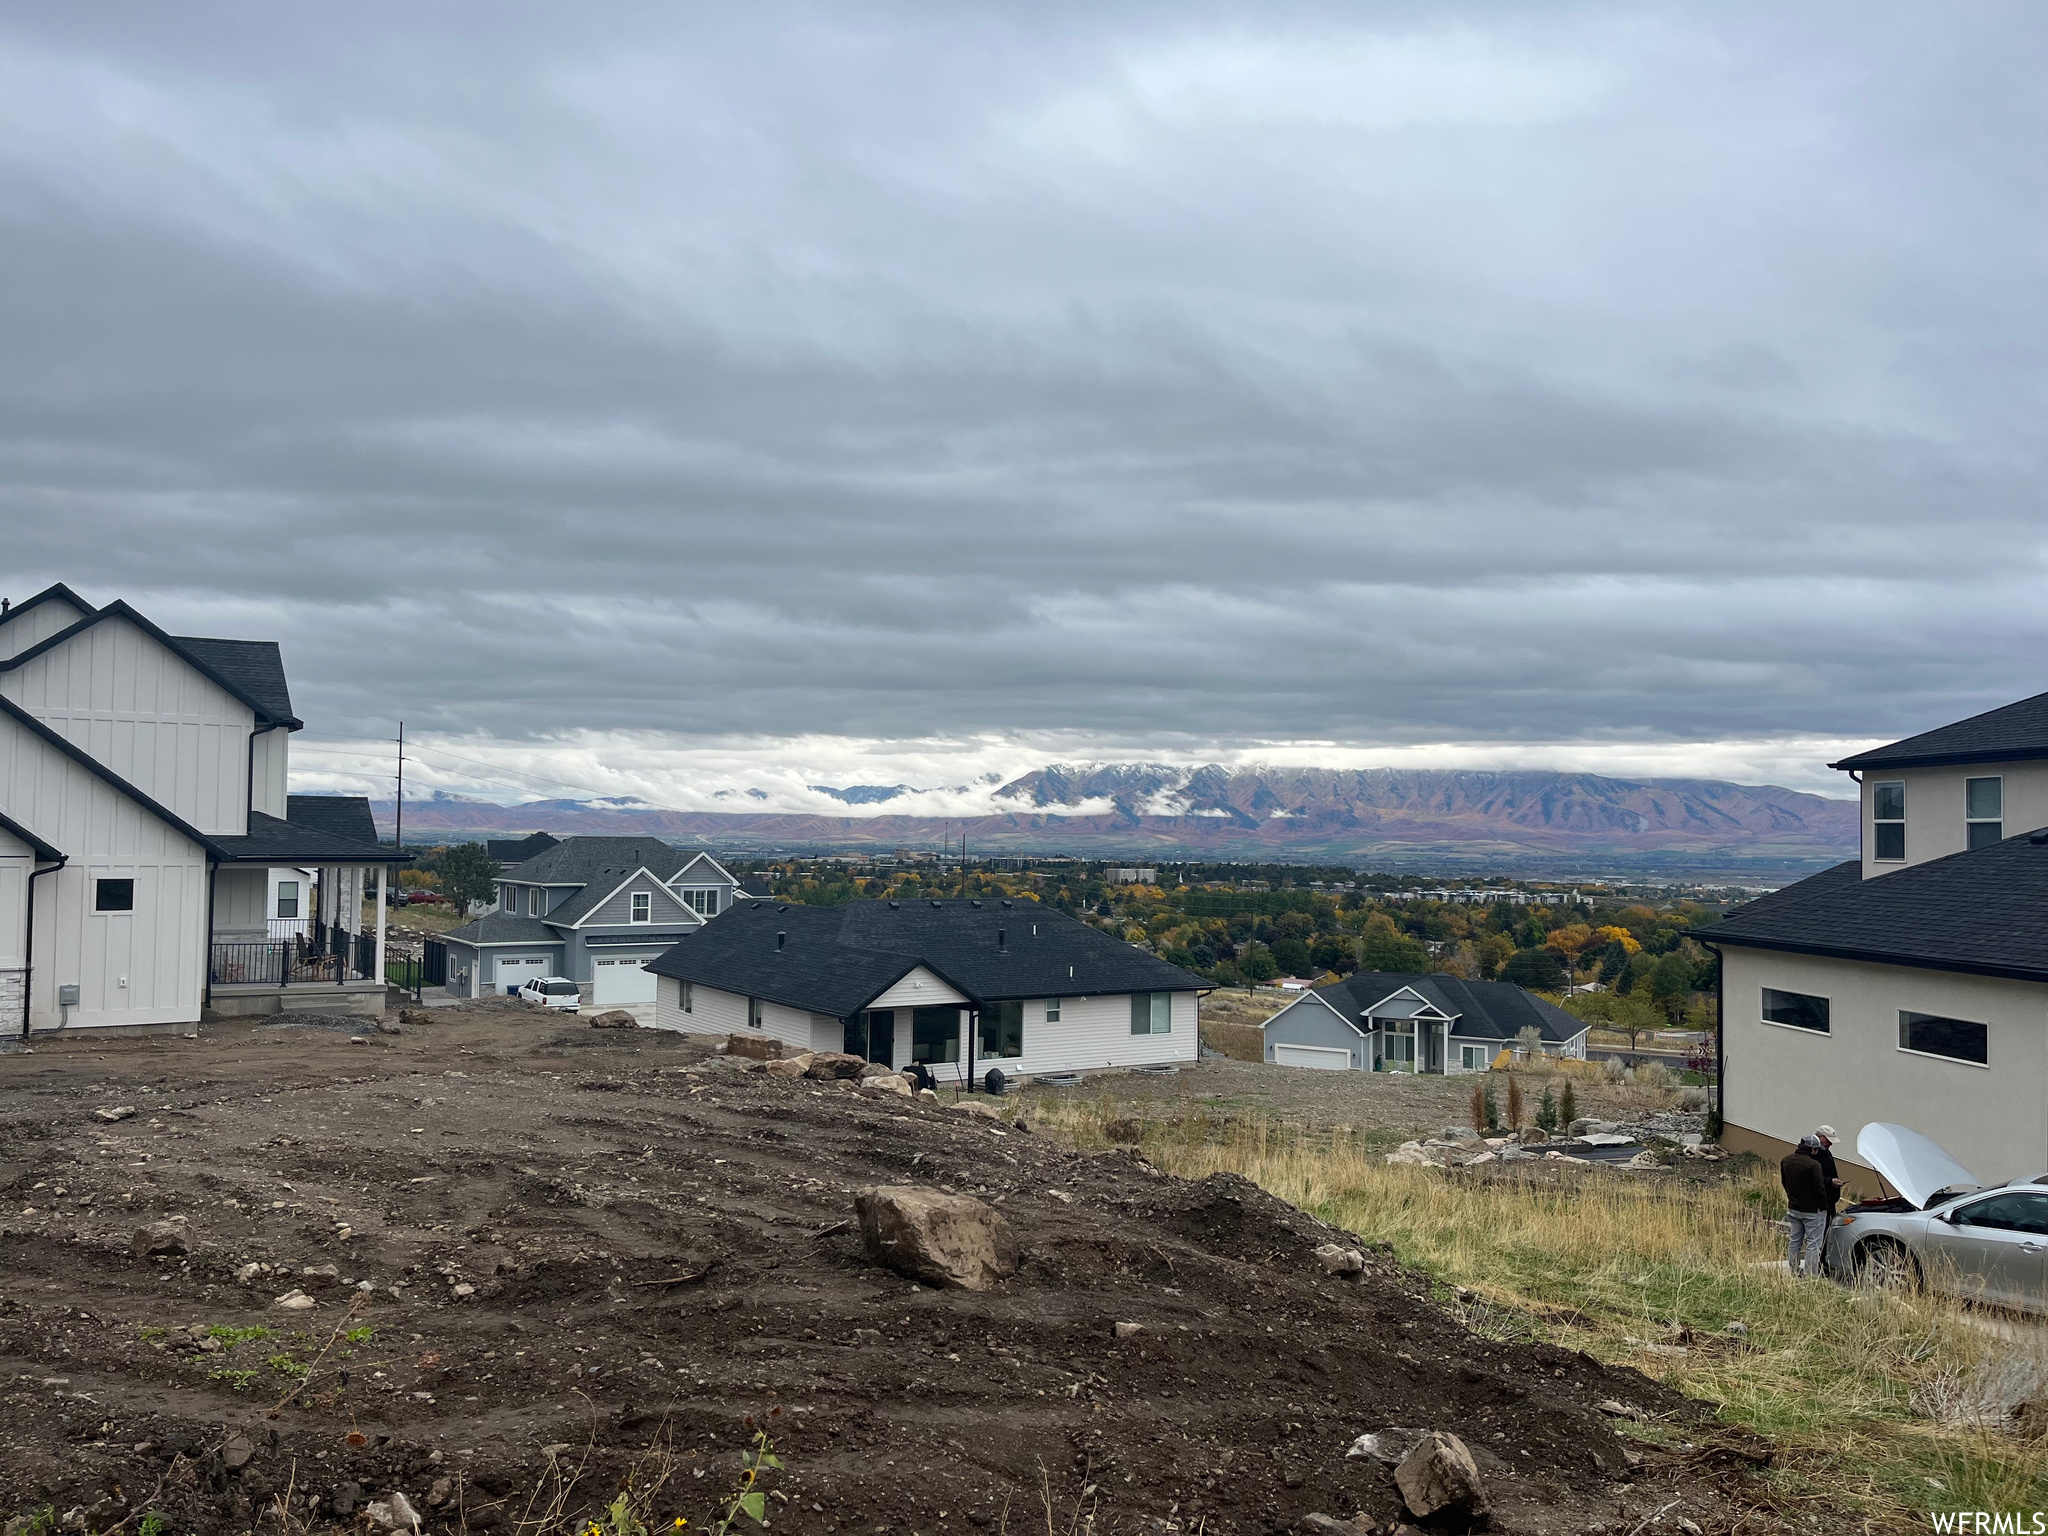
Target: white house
<point>1909,985</point>
<point>1376,1022</point>
<point>957,985</point>
<point>143,810</point>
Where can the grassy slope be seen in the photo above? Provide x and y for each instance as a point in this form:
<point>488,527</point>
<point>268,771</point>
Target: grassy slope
<point>1612,1264</point>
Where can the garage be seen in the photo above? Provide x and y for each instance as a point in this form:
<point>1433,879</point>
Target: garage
<point>617,980</point>
<point>1320,1058</point>
<point>514,971</point>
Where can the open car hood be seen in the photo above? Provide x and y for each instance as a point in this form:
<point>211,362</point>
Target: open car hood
<point>1912,1164</point>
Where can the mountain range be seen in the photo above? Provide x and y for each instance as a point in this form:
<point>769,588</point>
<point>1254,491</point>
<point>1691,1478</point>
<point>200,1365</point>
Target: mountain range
<point>1449,819</point>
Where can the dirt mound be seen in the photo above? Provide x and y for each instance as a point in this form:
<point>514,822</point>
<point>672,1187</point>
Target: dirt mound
<point>519,1283</point>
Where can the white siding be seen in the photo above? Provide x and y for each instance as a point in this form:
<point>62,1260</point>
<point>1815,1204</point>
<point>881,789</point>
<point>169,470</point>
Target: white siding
<point>919,989</point>
<point>148,715</point>
<point>1936,823</point>
<point>17,859</point>
<point>270,770</point>
<point>1094,1033</point>
<point>1782,1082</point>
<point>713,1012</point>
<point>32,628</point>
<point>146,966</point>
<point>240,895</point>
<point>616,910</point>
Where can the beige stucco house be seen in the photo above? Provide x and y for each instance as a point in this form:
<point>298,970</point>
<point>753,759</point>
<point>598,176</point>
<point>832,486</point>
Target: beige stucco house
<point>1910,985</point>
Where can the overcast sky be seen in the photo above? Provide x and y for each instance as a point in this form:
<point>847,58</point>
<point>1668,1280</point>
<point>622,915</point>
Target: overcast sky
<point>672,396</point>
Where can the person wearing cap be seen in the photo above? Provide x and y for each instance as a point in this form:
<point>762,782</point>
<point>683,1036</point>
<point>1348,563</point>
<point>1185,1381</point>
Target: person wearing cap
<point>1807,1198</point>
<point>1826,1136</point>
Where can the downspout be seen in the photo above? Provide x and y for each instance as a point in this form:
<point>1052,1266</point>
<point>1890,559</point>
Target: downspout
<point>206,986</point>
<point>1720,1036</point>
<point>28,970</point>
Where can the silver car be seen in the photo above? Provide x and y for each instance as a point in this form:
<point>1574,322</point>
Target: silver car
<point>1943,1229</point>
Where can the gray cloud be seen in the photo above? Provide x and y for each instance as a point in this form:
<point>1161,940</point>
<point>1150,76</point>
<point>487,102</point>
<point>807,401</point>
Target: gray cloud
<point>1209,374</point>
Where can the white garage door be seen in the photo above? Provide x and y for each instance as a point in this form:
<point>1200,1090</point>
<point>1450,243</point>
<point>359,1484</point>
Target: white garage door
<point>1323,1058</point>
<point>618,979</point>
<point>514,971</point>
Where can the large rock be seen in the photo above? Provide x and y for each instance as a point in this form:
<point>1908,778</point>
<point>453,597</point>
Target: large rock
<point>830,1064</point>
<point>614,1018</point>
<point>1585,1125</point>
<point>889,1083</point>
<point>946,1240</point>
<point>1336,1259</point>
<point>1438,1475</point>
<point>159,1238</point>
<point>791,1066</point>
<point>759,1047</point>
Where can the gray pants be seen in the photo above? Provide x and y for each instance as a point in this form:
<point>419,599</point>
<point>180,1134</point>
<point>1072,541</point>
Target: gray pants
<point>1809,1235</point>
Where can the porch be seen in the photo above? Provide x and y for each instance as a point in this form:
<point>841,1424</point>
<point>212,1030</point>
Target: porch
<point>299,936</point>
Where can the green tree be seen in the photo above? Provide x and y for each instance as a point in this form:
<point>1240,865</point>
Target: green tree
<point>1258,964</point>
<point>1567,1106</point>
<point>1671,983</point>
<point>1546,1111</point>
<point>1383,947</point>
<point>469,876</point>
<point>1291,955</point>
<point>1536,969</point>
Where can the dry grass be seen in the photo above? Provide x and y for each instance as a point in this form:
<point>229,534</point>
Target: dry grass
<point>1242,1042</point>
<point>1882,1403</point>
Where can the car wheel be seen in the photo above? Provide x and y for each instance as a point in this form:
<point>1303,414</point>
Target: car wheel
<point>1886,1264</point>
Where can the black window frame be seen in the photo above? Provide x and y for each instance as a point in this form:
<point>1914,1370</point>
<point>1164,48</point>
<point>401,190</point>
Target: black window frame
<point>926,1028</point>
<point>1002,1030</point>
<point>115,893</point>
<point>1795,1000</point>
<point>1932,1027</point>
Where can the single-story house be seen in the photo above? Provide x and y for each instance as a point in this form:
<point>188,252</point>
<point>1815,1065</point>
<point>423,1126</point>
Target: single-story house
<point>593,909</point>
<point>959,985</point>
<point>1376,1022</point>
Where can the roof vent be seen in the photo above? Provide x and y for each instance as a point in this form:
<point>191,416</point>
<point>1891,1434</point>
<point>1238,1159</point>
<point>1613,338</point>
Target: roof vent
<point>935,903</point>
<point>975,904</point>
<point>780,936</point>
<point>2039,838</point>
<point>894,905</point>
<point>1009,903</point>
<point>782,909</point>
<point>1002,941</point>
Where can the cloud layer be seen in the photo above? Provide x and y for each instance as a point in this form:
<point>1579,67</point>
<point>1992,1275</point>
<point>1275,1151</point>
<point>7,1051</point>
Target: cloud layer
<point>1180,382</point>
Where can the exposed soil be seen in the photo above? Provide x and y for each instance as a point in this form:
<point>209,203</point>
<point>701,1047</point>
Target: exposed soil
<point>594,1241</point>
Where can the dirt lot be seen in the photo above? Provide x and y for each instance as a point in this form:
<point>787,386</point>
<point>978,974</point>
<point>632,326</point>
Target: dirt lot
<point>508,1197</point>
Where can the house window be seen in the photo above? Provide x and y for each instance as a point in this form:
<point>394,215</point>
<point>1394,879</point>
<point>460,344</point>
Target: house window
<point>754,1014</point>
<point>287,898</point>
<point>114,896</point>
<point>1002,1029</point>
<point>703,903</point>
<point>1398,1052</point>
<point>1888,821</point>
<point>509,902</point>
<point>1984,810</point>
<point>688,991</point>
<point>1151,1013</point>
<point>935,1034</point>
<point>1929,1034</point>
<point>533,903</point>
<point>1473,1057</point>
<point>643,907</point>
<point>1052,1010</point>
<point>1796,1010</point>
<point>872,1036</point>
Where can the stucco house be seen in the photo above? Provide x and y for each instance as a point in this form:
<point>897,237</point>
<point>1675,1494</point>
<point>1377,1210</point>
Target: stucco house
<point>593,909</point>
<point>1379,1022</point>
<point>1909,985</point>
<point>959,985</point>
<point>147,837</point>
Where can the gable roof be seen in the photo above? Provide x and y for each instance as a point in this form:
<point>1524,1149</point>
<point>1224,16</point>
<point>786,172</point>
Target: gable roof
<point>107,776</point>
<point>571,910</point>
<point>2010,733</point>
<point>56,591</point>
<point>1977,911</point>
<point>1484,1010</point>
<point>509,851</point>
<point>255,672</point>
<point>835,960</point>
<point>271,841</point>
<point>582,860</point>
<point>41,849</point>
<point>503,928</point>
<point>340,815</point>
<point>723,874</point>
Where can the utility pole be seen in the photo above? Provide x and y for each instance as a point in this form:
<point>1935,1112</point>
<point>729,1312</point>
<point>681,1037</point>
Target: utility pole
<point>398,834</point>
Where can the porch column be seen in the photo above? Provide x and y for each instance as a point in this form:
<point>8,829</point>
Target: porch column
<point>383,878</point>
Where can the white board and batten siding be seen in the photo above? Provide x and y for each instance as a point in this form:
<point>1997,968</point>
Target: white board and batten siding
<point>150,716</point>
<point>17,861</point>
<point>270,771</point>
<point>143,966</point>
<point>23,631</point>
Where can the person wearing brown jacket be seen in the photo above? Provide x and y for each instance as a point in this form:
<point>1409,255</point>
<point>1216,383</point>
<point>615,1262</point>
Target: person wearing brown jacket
<point>1807,1198</point>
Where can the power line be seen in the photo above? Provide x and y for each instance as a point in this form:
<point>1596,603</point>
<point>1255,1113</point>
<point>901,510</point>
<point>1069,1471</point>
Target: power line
<point>413,748</point>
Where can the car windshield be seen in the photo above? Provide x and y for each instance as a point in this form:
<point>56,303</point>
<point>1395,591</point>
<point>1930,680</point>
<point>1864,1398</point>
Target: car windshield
<point>561,989</point>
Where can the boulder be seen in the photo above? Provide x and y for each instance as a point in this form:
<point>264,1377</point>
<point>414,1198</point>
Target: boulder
<point>876,1069</point>
<point>415,1016</point>
<point>1390,1446</point>
<point>1458,1133</point>
<point>890,1083</point>
<point>614,1018</point>
<point>825,1065</point>
<point>294,1301</point>
<point>1336,1259</point>
<point>1125,1330</point>
<point>1530,1133</point>
<point>946,1240</point>
<point>1584,1126</point>
<point>115,1112</point>
<point>159,1238</point>
<point>1439,1475</point>
<point>757,1047</point>
<point>789,1066</point>
<point>986,1111</point>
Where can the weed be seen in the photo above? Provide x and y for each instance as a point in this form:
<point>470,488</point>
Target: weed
<point>230,1337</point>
<point>151,1335</point>
<point>153,1524</point>
<point>238,1380</point>
<point>285,1365</point>
<point>361,1335</point>
<point>749,1498</point>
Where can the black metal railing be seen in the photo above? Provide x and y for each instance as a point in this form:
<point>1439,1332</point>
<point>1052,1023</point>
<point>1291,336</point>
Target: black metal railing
<point>323,953</point>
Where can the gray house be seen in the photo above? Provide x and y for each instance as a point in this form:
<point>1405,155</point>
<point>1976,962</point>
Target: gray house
<point>593,909</point>
<point>1375,1022</point>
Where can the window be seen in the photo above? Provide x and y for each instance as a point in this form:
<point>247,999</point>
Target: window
<point>1473,1057</point>
<point>872,1036</point>
<point>703,903</point>
<point>754,1014</point>
<point>1398,1051</point>
<point>1002,1029</point>
<point>1151,1013</point>
<point>689,993</point>
<point>935,1034</point>
<point>1796,1010</point>
<point>1929,1034</point>
<point>643,906</point>
<point>1888,821</point>
<point>2013,1211</point>
<point>114,896</point>
<point>1052,1010</point>
<point>287,898</point>
<point>1984,810</point>
<point>533,903</point>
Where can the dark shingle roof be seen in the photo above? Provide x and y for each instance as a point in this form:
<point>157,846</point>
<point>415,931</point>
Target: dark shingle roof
<point>584,860</point>
<point>503,928</point>
<point>1979,911</point>
<point>2010,733</point>
<point>271,841</point>
<point>512,850</point>
<point>838,959</point>
<point>254,667</point>
<point>1485,1010</point>
<point>341,815</point>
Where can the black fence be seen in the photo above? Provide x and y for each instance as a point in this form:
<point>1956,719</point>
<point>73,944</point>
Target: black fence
<point>323,953</point>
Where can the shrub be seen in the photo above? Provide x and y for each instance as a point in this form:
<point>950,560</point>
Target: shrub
<point>1546,1110</point>
<point>1492,1108</point>
<point>1567,1106</point>
<point>1514,1103</point>
<point>1478,1107</point>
